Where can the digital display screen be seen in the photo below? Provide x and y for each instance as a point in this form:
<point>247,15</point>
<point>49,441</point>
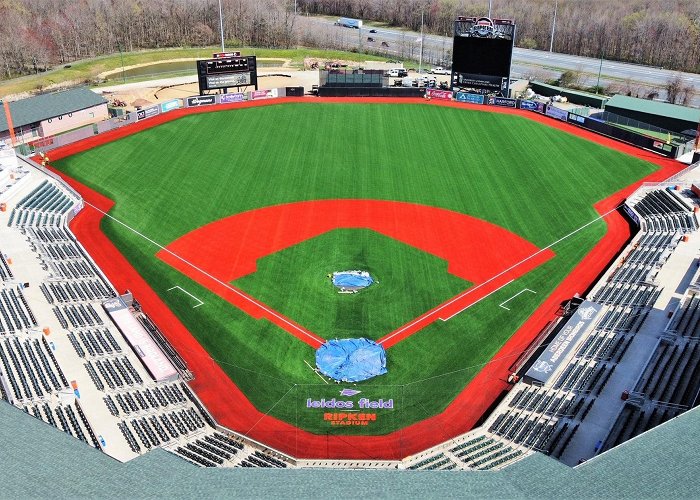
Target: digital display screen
<point>231,80</point>
<point>482,56</point>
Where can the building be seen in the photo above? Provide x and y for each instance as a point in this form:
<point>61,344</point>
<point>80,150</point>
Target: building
<point>51,114</point>
<point>679,119</point>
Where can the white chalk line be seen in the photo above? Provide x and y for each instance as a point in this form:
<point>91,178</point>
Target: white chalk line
<point>188,293</point>
<point>202,271</point>
<point>496,276</point>
<point>477,301</point>
<point>315,371</point>
<point>520,292</point>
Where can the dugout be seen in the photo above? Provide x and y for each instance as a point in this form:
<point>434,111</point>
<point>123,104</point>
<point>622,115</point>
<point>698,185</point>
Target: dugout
<point>661,114</point>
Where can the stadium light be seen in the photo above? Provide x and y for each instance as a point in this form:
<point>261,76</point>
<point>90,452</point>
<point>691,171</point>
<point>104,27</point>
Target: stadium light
<point>121,55</point>
<point>221,26</point>
<point>600,70</point>
<point>554,23</point>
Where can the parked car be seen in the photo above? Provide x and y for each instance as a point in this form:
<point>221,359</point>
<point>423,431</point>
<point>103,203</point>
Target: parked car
<point>372,31</point>
<point>370,39</point>
<point>439,70</point>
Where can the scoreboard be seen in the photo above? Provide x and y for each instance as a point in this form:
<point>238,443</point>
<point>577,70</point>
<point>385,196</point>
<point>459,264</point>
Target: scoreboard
<point>224,72</point>
<point>482,54</point>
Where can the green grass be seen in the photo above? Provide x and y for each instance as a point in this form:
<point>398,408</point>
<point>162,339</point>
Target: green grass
<point>409,282</point>
<point>531,179</point>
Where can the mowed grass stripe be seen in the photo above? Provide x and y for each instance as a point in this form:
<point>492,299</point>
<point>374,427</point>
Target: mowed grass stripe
<point>531,179</point>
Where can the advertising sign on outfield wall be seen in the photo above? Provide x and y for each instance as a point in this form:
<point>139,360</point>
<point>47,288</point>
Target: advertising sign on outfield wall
<point>169,105</point>
<point>147,113</point>
<point>559,114</point>
<point>502,101</point>
<point>439,94</point>
<point>532,106</point>
<point>227,98</point>
<point>201,100</point>
<point>471,98</point>
<point>263,94</point>
<point>574,118</point>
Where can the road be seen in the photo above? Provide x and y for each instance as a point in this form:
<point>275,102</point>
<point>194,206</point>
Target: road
<point>531,64</point>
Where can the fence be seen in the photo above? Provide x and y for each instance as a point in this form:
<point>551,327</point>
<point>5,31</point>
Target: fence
<point>639,126</point>
<point>630,134</point>
<point>47,144</point>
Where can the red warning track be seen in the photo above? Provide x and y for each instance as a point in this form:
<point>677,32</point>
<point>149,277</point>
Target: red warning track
<point>472,247</point>
<point>231,407</point>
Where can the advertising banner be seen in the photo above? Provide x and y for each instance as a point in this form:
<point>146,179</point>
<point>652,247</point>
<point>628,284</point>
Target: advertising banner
<point>632,215</point>
<point>201,100</point>
<point>471,98</point>
<point>574,118</point>
<point>439,94</point>
<point>559,114</point>
<point>568,337</point>
<point>169,105</point>
<point>147,113</point>
<point>502,101</point>
<point>263,94</point>
<point>532,106</point>
<point>228,98</point>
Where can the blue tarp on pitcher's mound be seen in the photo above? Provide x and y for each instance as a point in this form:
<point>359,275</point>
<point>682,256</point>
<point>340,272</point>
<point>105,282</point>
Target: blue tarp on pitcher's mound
<point>351,360</point>
<point>352,280</point>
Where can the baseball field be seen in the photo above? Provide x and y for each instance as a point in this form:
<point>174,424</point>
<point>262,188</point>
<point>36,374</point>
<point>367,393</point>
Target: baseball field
<point>467,220</point>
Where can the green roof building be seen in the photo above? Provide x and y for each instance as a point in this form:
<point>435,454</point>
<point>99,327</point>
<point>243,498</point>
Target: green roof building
<point>50,114</point>
<point>661,114</point>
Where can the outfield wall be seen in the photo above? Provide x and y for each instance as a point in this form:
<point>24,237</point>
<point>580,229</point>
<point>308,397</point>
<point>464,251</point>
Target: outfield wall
<point>214,100</point>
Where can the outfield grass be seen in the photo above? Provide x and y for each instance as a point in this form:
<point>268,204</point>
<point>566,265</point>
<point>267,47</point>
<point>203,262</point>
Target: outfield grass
<point>531,179</point>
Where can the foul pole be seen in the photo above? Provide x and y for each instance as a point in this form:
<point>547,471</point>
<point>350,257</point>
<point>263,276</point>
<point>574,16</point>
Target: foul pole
<point>10,126</point>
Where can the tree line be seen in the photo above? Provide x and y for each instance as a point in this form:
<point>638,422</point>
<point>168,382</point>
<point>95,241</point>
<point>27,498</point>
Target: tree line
<point>664,33</point>
<point>36,34</point>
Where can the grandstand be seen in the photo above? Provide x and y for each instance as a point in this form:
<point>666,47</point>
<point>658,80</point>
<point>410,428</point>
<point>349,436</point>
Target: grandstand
<point>630,371</point>
<point>80,374</point>
<point>65,361</point>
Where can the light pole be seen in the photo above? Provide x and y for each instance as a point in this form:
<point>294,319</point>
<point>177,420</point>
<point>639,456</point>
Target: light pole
<point>121,55</point>
<point>554,24</point>
<point>489,9</point>
<point>420,56</point>
<point>221,24</point>
<point>600,70</point>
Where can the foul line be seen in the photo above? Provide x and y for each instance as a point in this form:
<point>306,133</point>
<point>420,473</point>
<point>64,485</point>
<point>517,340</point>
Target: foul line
<point>315,371</point>
<point>202,271</point>
<point>506,301</point>
<point>188,293</point>
<point>477,301</point>
<point>496,276</point>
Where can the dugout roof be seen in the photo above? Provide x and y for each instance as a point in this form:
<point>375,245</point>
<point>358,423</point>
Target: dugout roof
<point>42,107</point>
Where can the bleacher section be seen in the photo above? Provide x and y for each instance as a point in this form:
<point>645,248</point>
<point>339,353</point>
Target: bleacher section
<point>548,417</point>
<point>82,369</point>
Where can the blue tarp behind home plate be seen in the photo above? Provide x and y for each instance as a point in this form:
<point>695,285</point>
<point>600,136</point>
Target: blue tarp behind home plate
<point>351,360</point>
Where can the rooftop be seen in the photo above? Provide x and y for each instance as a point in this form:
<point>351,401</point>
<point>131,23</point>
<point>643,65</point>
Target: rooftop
<point>655,108</point>
<point>44,106</point>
